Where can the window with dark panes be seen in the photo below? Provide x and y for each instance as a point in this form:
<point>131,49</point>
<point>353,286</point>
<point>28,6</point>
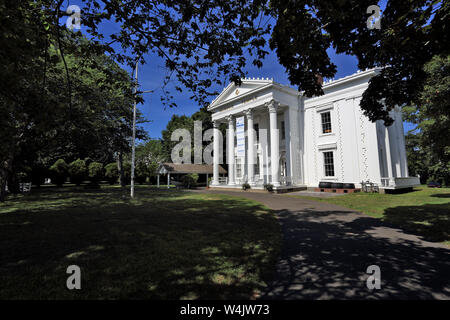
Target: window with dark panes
<point>326,122</point>
<point>283,132</point>
<point>328,162</point>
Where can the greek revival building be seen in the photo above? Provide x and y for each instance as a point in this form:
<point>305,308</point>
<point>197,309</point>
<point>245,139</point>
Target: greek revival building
<point>295,141</point>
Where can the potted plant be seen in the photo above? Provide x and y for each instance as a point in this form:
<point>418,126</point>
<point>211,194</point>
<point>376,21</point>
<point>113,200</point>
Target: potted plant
<point>268,187</point>
<point>245,186</point>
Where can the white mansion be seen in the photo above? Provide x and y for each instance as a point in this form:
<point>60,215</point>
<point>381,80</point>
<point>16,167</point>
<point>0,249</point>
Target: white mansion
<point>299,141</point>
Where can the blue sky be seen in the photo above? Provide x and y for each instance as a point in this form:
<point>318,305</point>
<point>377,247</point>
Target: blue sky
<point>152,73</point>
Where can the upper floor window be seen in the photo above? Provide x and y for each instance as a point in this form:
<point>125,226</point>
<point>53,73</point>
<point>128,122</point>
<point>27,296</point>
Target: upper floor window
<point>326,122</point>
<point>328,162</point>
<point>283,131</point>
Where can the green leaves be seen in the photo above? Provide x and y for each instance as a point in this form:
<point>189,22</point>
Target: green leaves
<point>430,156</point>
<point>412,33</point>
<point>198,40</point>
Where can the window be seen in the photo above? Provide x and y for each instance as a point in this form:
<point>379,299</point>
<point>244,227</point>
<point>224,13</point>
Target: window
<point>283,131</point>
<point>238,167</point>
<point>326,122</point>
<point>256,127</point>
<point>257,165</point>
<point>328,162</point>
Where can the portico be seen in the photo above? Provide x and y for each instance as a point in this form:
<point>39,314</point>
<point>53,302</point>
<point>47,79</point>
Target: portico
<point>260,153</point>
<point>277,136</point>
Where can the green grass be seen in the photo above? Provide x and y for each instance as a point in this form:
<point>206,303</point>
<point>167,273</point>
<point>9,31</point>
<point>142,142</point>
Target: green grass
<point>160,245</point>
<point>424,211</point>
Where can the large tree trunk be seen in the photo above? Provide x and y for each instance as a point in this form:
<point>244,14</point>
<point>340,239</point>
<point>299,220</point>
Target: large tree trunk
<point>120,167</point>
<point>4,177</point>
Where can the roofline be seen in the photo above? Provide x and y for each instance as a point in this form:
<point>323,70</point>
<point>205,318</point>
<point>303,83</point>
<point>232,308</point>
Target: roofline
<point>270,84</point>
<point>171,165</point>
<point>357,75</point>
<point>287,89</point>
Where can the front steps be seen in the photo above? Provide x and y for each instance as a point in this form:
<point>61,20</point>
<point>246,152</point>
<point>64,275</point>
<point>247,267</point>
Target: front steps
<point>279,189</point>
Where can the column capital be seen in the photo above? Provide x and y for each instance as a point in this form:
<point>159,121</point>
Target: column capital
<point>249,114</point>
<point>230,119</point>
<point>272,105</point>
<point>215,124</point>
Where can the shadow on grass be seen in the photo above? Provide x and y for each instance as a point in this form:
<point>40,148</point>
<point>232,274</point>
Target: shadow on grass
<point>441,195</point>
<point>161,245</point>
<point>325,255</point>
<point>430,221</point>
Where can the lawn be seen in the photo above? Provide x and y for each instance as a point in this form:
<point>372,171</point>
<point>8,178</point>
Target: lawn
<point>424,211</point>
<point>161,245</point>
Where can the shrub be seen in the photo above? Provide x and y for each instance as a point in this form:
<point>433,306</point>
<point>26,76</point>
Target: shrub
<point>140,173</point>
<point>268,187</point>
<point>127,172</point>
<point>59,172</point>
<point>95,172</point>
<point>189,180</point>
<point>111,172</point>
<point>245,186</point>
<point>77,171</point>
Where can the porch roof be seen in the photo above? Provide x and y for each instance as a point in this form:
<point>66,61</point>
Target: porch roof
<point>188,168</point>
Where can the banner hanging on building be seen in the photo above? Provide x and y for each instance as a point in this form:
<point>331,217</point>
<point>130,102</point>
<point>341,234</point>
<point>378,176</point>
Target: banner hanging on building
<point>240,136</point>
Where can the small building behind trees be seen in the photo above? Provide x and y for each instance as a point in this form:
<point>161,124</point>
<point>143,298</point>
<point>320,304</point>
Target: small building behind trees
<point>175,172</point>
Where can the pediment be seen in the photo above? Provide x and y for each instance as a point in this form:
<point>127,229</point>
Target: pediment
<point>232,91</point>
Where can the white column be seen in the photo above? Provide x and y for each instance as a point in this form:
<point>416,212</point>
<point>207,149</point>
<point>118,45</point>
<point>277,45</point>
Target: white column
<point>216,155</point>
<point>287,142</point>
<point>168,180</point>
<point>396,172</point>
<point>388,153</point>
<point>274,143</point>
<point>158,181</point>
<point>251,148</point>
<point>230,150</point>
<point>401,143</point>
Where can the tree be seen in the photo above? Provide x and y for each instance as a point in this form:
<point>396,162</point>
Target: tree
<point>111,173</point>
<point>48,104</point>
<point>201,42</point>
<point>428,145</point>
<point>150,155</point>
<point>77,171</point>
<point>127,172</point>
<point>141,173</point>
<point>59,172</point>
<point>176,122</point>
<point>43,118</point>
<point>412,32</point>
<point>95,172</point>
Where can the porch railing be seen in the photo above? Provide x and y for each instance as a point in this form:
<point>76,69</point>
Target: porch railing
<point>393,182</point>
